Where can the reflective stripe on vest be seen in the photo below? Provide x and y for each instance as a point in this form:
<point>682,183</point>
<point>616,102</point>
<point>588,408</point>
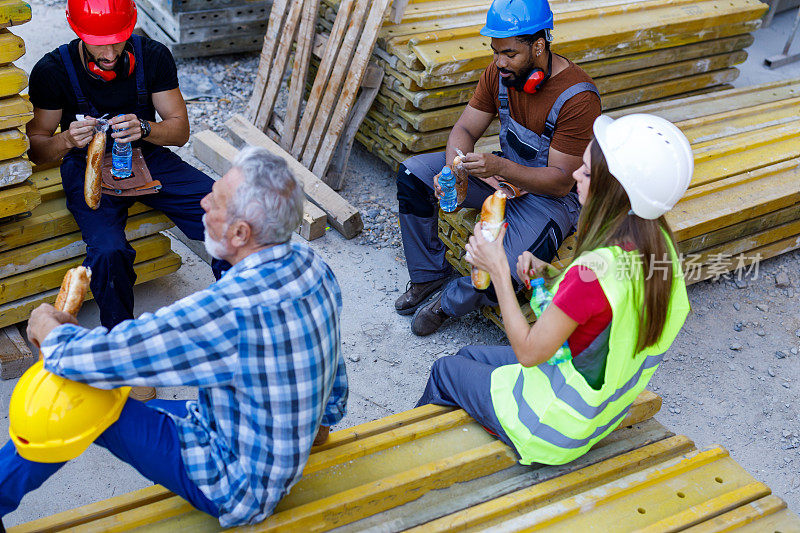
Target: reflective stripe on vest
<point>549,412</point>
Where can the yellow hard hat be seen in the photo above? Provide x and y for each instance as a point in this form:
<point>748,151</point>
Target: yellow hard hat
<point>53,419</point>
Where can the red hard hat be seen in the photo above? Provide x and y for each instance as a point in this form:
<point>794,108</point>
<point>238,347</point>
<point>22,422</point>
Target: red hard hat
<point>99,22</point>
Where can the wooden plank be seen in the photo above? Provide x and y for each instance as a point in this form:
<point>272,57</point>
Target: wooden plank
<point>217,153</point>
<point>15,355</point>
<point>68,246</point>
<point>355,75</point>
<point>302,58</point>
<point>277,16</point>
<point>278,66</point>
<point>341,65</point>
<point>214,151</point>
<point>320,86</point>
<point>342,216</point>
<point>369,90</point>
<point>19,310</point>
<point>18,199</point>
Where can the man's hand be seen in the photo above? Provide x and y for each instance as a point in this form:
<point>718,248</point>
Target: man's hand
<point>127,128</point>
<point>45,319</point>
<point>80,132</point>
<point>437,191</point>
<point>322,435</point>
<point>483,165</point>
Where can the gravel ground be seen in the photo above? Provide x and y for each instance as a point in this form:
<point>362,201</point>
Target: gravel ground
<point>729,379</point>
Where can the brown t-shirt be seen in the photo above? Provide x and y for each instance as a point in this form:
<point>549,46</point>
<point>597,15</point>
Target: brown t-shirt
<point>574,124</point>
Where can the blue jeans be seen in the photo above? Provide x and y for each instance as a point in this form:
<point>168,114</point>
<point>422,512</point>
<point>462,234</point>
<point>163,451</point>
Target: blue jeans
<point>143,437</point>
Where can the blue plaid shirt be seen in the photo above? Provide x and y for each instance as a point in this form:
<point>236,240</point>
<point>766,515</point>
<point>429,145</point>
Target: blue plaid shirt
<point>263,346</point>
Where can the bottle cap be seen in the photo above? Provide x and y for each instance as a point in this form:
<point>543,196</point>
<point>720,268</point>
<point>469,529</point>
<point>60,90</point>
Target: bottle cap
<point>446,171</point>
<point>537,282</point>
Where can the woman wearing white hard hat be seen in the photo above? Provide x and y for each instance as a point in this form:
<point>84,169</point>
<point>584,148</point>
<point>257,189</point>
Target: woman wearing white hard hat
<point>616,309</point>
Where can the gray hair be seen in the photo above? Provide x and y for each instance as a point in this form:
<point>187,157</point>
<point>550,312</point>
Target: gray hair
<point>270,198</point>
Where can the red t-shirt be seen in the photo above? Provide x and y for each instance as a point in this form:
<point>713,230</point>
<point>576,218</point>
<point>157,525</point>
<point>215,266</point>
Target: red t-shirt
<point>581,298</point>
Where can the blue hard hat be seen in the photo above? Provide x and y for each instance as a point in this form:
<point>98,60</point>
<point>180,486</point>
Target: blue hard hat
<point>509,18</point>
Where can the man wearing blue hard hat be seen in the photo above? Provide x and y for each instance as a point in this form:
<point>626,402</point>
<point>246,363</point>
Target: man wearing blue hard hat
<point>546,105</point>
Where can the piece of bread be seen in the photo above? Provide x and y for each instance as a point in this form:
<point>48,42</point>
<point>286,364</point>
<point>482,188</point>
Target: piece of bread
<point>493,212</point>
<point>73,290</point>
<point>94,165</point>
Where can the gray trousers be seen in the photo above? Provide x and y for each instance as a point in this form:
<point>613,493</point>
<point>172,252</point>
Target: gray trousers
<point>536,223</point>
<point>464,380</point>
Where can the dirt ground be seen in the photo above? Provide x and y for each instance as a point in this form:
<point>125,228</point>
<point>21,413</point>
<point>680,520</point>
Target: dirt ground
<point>729,379</point>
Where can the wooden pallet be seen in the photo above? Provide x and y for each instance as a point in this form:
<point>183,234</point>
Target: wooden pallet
<point>200,25</point>
<point>435,469</point>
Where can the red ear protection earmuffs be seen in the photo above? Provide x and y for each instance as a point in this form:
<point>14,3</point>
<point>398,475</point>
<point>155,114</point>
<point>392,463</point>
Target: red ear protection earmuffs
<point>538,77</point>
<point>123,68</point>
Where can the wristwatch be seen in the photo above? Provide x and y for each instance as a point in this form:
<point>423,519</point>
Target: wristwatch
<point>145,125</point>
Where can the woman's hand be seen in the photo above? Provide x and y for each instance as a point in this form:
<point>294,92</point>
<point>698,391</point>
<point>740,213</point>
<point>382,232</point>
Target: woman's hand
<point>529,267</point>
<point>488,256</point>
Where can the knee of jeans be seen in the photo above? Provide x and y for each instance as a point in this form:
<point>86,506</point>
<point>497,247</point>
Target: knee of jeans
<point>413,196</point>
<point>109,252</point>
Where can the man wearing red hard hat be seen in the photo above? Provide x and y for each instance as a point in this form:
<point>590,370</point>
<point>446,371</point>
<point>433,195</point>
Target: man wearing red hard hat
<point>108,71</point>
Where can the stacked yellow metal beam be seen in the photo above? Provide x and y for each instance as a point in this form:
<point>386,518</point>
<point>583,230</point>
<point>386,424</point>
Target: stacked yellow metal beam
<point>39,239</point>
<point>636,50</point>
<point>15,112</point>
<point>435,469</point>
<point>38,247</point>
<point>743,204</point>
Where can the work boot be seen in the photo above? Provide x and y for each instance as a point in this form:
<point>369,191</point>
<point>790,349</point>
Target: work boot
<point>429,318</point>
<point>417,294</point>
<point>143,394</point>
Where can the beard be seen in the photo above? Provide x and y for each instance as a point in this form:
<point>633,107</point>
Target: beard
<point>216,249</point>
<point>517,79</point>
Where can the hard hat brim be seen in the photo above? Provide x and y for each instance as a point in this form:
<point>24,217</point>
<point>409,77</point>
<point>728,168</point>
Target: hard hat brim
<point>502,34</point>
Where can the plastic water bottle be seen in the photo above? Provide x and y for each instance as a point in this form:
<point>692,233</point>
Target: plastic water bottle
<point>447,182</point>
<point>539,301</point>
<point>121,159</point>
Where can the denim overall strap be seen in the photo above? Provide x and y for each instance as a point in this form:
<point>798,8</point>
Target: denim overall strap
<point>550,124</point>
<point>84,106</point>
<point>142,98</point>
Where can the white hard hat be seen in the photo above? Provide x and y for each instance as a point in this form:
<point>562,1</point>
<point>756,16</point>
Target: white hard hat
<point>650,157</point>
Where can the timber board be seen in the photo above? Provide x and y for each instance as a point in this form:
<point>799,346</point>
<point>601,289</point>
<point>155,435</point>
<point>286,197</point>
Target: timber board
<point>14,12</point>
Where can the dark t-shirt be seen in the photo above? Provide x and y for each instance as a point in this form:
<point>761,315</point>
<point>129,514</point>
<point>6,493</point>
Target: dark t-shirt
<point>50,87</point>
<point>574,124</point>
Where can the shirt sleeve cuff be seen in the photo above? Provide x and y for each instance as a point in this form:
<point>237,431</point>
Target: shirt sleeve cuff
<point>55,340</point>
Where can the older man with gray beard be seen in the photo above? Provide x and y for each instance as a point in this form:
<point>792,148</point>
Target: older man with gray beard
<point>262,344</point>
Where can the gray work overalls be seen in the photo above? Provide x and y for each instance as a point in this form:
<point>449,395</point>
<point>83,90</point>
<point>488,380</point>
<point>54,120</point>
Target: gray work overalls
<point>536,223</point>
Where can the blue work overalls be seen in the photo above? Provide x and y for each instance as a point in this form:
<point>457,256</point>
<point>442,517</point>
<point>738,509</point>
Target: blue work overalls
<point>108,252</point>
<point>536,223</point>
